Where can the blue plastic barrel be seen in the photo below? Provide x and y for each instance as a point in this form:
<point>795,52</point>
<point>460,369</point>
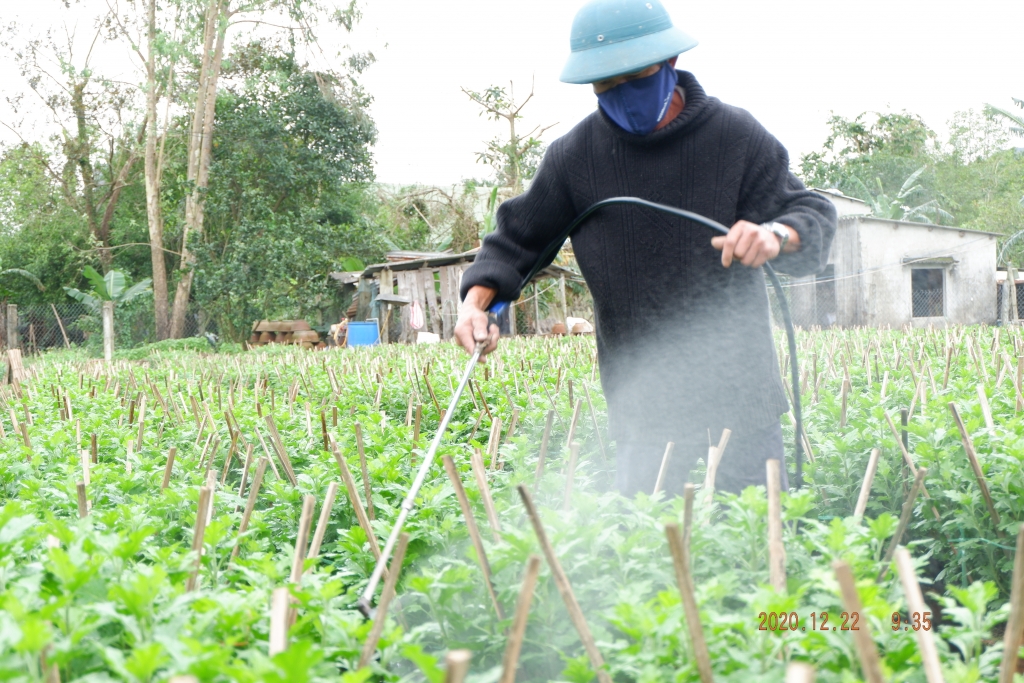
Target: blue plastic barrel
<point>363,333</point>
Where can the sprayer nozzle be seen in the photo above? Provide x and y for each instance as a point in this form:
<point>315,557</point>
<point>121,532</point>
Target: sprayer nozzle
<point>365,607</point>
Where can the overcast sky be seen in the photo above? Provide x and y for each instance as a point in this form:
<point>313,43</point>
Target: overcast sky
<point>790,62</point>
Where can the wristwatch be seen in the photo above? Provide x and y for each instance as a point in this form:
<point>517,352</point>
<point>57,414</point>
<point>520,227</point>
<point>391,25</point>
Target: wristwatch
<point>780,231</point>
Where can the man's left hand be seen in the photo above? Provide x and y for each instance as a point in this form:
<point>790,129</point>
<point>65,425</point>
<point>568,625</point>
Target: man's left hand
<point>750,243</point>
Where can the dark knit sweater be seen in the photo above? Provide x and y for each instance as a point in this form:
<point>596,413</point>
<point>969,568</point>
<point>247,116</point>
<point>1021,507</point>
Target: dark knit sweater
<point>684,344</point>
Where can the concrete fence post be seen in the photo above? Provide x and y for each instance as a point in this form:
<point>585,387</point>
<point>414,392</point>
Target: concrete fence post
<point>108,331</point>
<point>12,327</point>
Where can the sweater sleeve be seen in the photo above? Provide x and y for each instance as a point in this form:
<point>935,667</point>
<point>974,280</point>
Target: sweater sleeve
<point>526,226</point>
<point>770,192</point>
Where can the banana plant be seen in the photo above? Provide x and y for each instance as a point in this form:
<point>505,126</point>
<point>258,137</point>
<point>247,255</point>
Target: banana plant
<point>25,274</point>
<point>897,208</point>
<point>110,287</point>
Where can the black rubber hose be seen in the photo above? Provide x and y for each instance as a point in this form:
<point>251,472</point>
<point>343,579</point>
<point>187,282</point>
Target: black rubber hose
<point>554,246</point>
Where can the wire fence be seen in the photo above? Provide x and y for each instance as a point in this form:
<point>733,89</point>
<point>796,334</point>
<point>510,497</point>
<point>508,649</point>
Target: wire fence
<point>50,326</point>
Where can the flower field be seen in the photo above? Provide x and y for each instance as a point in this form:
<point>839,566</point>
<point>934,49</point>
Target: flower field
<point>217,516</point>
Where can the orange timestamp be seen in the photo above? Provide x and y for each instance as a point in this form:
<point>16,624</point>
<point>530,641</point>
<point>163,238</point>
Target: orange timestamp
<point>846,621</point>
<point>815,621</point>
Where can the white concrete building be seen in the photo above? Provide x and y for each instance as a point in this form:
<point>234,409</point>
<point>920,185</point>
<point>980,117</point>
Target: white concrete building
<point>892,273</point>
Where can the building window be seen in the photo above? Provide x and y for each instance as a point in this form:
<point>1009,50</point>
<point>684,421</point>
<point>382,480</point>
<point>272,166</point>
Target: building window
<point>926,287</point>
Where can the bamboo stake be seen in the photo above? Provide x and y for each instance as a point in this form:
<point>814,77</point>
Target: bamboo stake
<point>565,589</point>
<point>593,417</point>
<point>169,467</point>
<point>870,664</point>
<point>965,438</point>
<point>986,411</point>
<point>302,538</point>
<point>266,452</point>
<point>570,474</point>
<point>684,579</point>
<point>83,501</point>
<point>205,495</point>
<point>543,450</point>
<point>865,488</point>
<point>519,621</point>
<point>1015,624</point>
<point>799,672</point>
<point>910,462</point>
<point>915,603</point>
<point>457,665</point>
<point>275,438</point>
<point>325,517</point>
<point>574,422</point>
<point>493,440</point>
<point>245,470</point>
<point>474,531</point>
<point>370,646</point>
<point>908,510</point>
<point>664,467</point>
<point>476,460</point>
<point>714,458</point>
<point>250,504</point>
<point>365,470</point>
<point>776,548</point>
<point>353,497</point>
<point>279,607</point>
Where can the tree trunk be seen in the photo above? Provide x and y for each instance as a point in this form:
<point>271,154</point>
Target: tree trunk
<point>82,148</point>
<point>199,152</point>
<point>153,213</point>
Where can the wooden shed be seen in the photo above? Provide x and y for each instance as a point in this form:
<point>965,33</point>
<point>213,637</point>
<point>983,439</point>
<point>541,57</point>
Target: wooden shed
<point>392,292</point>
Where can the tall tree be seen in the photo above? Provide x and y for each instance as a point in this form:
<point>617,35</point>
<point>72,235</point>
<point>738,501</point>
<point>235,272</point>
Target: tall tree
<point>97,147</point>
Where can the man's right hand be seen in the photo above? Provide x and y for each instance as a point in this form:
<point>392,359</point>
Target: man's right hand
<point>473,325</point>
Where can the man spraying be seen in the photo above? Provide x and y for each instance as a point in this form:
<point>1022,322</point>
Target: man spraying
<point>682,318</point>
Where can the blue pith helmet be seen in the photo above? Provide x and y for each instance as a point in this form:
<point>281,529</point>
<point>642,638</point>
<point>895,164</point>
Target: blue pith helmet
<point>613,37</point>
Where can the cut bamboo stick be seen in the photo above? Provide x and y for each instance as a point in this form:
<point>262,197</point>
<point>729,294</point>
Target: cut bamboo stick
<point>476,461</point>
<point>168,468</point>
<point>381,614</point>
<point>965,438</point>
<point>871,666</point>
<point>714,458</point>
<point>684,579</point>
<point>664,468</point>
<point>905,515</point>
<point>865,487</point>
<point>543,450</point>
<point>776,548</point>
<point>275,438</point>
<point>799,672</point>
<point>325,517</point>
<point>570,474</point>
<point>518,630</point>
<point>915,603</point>
<point>986,410</point>
<point>83,501</point>
<point>593,417</point>
<point>1015,624</point>
<point>245,470</point>
<point>456,665</point>
<point>565,589</point>
<point>493,441</point>
<point>474,531</point>
<point>250,505</point>
<point>205,495</point>
<point>353,497</point>
<point>302,538</point>
<point>574,422</point>
<point>363,467</point>
<point>280,602</point>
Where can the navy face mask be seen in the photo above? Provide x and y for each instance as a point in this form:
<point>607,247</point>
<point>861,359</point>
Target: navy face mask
<point>638,105</point>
